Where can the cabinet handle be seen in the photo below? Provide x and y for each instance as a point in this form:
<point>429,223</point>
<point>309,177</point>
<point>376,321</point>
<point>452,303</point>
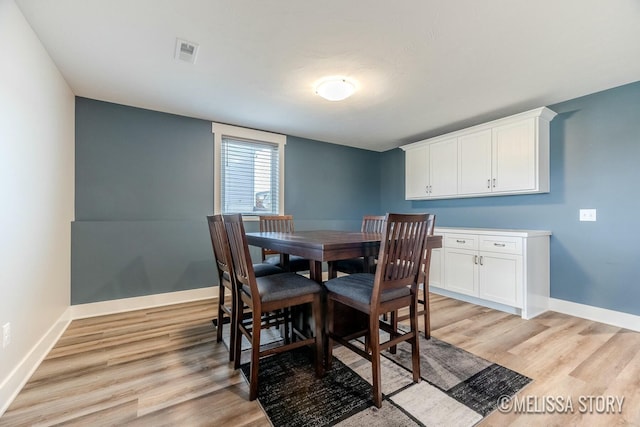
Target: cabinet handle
<point>481,260</point>
<point>426,189</point>
<point>430,189</point>
<point>489,183</point>
<point>475,259</point>
<point>494,182</point>
<point>460,241</point>
<point>500,245</point>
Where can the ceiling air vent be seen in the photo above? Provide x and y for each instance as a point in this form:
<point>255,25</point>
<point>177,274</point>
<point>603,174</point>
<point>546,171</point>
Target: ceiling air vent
<point>186,51</point>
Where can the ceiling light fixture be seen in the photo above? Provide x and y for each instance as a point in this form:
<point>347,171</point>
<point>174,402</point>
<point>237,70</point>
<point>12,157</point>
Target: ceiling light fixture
<point>335,88</point>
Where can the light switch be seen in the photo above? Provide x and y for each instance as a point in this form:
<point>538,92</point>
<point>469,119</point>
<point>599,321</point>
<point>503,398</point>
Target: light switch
<point>587,214</point>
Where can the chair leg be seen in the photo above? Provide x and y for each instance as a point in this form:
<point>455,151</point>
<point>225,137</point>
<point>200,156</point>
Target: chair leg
<point>237,320</point>
<point>328,357</point>
<point>255,356</point>
<point>319,346</point>
<point>394,325</point>
<point>288,326</point>
<point>427,311</point>
<point>374,340</point>
<point>415,348</point>
<point>221,292</point>
<point>233,335</point>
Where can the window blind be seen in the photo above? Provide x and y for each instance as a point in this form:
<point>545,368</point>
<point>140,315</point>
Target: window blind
<point>249,177</point>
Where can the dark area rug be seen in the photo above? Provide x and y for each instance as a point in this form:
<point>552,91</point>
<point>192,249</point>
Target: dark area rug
<point>291,394</point>
<point>457,388</point>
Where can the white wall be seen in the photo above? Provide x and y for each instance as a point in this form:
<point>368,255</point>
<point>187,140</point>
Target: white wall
<point>36,198</point>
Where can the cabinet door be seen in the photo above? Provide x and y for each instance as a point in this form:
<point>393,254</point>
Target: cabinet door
<point>514,157</point>
<point>500,278</point>
<point>474,163</point>
<point>443,166</point>
<point>461,271</point>
<point>435,268</point>
<point>417,173</point>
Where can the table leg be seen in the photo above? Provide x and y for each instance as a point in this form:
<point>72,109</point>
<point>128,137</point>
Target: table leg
<point>368,263</point>
<point>331,270</point>
<point>284,261</point>
<point>315,272</point>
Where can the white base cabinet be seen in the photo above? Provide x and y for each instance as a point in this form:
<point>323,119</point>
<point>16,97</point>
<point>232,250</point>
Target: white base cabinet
<point>505,267</point>
<point>436,268</point>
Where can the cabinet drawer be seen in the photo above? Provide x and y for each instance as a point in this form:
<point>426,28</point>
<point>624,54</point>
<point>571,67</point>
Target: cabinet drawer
<point>501,244</point>
<point>461,241</point>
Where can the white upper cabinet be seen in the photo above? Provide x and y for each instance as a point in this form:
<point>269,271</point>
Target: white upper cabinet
<point>443,167</point>
<point>506,156</point>
<point>417,172</point>
<point>515,158</point>
<point>431,170</point>
<point>474,162</point>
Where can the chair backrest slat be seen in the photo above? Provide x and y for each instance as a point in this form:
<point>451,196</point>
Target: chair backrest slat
<point>275,223</point>
<point>373,223</point>
<point>240,255</point>
<point>426,257</point>
<point>401,253</point>
<point>220,244</point>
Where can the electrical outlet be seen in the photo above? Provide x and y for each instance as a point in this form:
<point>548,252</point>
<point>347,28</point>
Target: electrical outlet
<point>6,335</point>
<point>587,214</point>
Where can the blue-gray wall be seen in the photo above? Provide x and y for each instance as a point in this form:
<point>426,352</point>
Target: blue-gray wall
<point>144,184</point>
<point>595,163</point>
<point>330,186</point>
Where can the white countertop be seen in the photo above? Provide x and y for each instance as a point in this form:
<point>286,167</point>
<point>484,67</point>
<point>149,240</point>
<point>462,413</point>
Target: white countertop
<point>493,231</point>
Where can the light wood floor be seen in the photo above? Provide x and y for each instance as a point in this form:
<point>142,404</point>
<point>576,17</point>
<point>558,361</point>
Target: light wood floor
<point>162,366</point>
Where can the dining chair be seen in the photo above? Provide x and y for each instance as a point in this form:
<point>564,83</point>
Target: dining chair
<point>423,280</point>
<point>281,224</point>
<point>392,287</point>
<point>270,294</point>
<point>370,224</point>
<point>226,278</point>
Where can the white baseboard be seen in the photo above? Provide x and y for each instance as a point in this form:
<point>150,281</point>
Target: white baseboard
<point>10,388</point>
<point>597,314</point>
<point>12,385</point>
<point>474,300</point>
<point>102,308</point>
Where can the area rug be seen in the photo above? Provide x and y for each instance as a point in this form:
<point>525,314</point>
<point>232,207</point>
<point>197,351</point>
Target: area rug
<point>457,388</point>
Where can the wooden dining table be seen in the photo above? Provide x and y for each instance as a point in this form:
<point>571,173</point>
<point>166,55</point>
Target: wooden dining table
<point>320,246</point>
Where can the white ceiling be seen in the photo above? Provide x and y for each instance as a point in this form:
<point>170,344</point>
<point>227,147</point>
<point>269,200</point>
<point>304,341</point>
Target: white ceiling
<point>422,67</point>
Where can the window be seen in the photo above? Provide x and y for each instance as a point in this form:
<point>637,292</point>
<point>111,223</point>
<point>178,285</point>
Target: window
<point>249,171</point>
